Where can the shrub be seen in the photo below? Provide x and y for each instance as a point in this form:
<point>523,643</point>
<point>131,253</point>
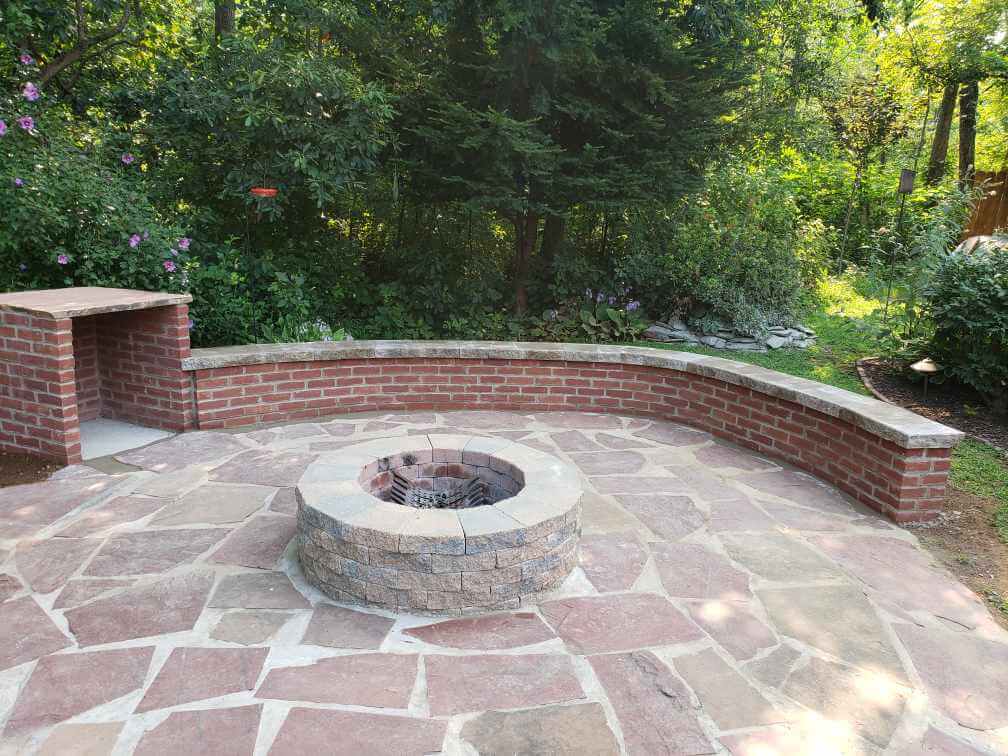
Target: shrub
<point>740,251</point>
<point>967,301</point>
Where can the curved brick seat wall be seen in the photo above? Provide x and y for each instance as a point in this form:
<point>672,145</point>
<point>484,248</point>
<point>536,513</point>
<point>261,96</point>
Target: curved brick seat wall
<point>888,458</point>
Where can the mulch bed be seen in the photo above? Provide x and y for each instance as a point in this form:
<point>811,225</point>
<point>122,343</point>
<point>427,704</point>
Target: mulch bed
<point>948,403</point>
<point>22,468</point>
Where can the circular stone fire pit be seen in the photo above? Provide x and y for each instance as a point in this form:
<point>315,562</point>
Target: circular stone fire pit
<point>442,524</point>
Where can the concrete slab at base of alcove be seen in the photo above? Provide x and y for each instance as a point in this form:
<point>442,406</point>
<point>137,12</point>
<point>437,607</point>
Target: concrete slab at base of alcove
<point>103,437</point>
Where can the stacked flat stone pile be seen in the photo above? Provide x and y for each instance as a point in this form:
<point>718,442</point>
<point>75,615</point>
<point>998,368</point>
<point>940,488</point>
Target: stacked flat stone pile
<point>356,548</point>
<point>724,337</point>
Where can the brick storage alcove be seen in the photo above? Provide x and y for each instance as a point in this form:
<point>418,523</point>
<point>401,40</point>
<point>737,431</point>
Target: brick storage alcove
<point>69,356</point>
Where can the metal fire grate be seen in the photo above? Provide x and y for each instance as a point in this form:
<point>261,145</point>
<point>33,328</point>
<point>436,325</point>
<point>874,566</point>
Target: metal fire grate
<point>464,494</point>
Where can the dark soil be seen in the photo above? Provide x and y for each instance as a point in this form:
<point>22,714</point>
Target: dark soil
<point>22,468</point>
<point>965,541</point>
<point>948,403</point>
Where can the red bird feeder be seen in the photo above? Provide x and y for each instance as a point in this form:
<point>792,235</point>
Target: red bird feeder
<point>263,191</point>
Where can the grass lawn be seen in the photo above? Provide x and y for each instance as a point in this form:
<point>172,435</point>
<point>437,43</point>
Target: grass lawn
<point>842,322</point>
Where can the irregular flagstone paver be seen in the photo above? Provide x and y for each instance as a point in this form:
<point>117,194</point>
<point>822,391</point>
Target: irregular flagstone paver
<point>490,633</point>
<point>264,468</point>
<point>489,420</point>
<point>904,573</point>
<point>869,703</point>
<point>939,743</point>
<point>221,732</point>
<point>64,685</point>
<point>377,426</point>
<point>193,448</point>
<point>735,628</point>
<point>799,518</point>
<point>84,739</point>
<point>412,418</point>
<point>457,684</point>
<point>285,502</point>
<point>287,433</point>
<point>668,517</point>
<point>621,442</point>
<point>652,705</point>
<point>339,627</point>
<point>171,485</point>
<point>690,571</point>
<point>773,669</point>
<point>836,619</point>
<point>381,680</point>
<point>339,428</point>
<point>166,606</point>
<point>629,484</point>
<point>26,632</point>
<point>349,733</point>
<point>585,420</point>
<point>612,562</point>
<point>248,628</point>
<point>700,482</point>
<point>77,592</point>
<point>719,455</point>
<point>967,677</point>
<point>608,462</point>
<point>777,556</point>
<point>727,697</point>
<point>116,512</point>
<point>574,441</point>
<point>271,590</point>
<point>258,543</point>
<point>26,509</point>
<point>825,739</point>
<point>47,565</point>
<point>554,730</point>
<point>599,516</point>
<point>9,585</point>
<point>215,504</point>
<point>192,674</point>
<point>152,552</point>
<point>619,622</point>
<point>800,489</point>
<point>738,514</point>
<point>669,434</point>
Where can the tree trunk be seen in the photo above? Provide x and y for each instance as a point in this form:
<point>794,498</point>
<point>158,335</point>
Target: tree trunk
<point>224,18</point>
<point>554,231</point>
<point>940,142</point>
<point>968,99</point>
<point>526,231</point>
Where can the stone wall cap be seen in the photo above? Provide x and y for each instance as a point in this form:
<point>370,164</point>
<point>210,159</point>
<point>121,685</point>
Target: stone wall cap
<point>887,421</point>
<point>80,301</point>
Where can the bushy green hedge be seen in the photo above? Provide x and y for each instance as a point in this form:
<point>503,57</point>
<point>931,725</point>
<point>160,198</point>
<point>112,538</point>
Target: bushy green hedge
<point>967,300</point>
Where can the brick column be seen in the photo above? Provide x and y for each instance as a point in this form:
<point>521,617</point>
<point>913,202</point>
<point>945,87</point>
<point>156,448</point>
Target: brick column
<point>38,402</point>
<point>140,357</point>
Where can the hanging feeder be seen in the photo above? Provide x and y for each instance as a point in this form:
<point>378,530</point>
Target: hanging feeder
<point>263,192</point>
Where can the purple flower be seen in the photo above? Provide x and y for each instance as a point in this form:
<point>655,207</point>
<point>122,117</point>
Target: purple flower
<point>127,158</point>
<point>63,259</point>
<point>551,314</point>
<point>174,252</point>
<point>588,293</point>
<point>3,127</point>
<point>22,267</point>
<point>19,182</point>
<point>26,59</point>
<point>191,324</point>
<point>30,92</point>
<point>612,301</point>
<point>169,266</point>
<point>184,243</point>
<point>633,306</point>
<point>146,235</point>
<point>600,297</point>
<point>26,122</point>
<point>134,241</point>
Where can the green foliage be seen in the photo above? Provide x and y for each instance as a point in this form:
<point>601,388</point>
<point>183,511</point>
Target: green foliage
<point>983,470</point>
<point>740,250</point>
<point>601,322</point>
<point>967,301</point>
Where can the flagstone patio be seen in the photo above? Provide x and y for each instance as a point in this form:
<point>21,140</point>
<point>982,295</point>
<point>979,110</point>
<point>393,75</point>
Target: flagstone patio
<point>722,605</point>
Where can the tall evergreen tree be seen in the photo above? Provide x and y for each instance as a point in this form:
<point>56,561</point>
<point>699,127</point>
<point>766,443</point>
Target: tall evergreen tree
<point>539,105</point>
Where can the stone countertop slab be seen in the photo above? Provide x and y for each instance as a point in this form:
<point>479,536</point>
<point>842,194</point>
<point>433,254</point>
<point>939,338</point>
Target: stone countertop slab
<point>79,301</point>
<point>892,423</point>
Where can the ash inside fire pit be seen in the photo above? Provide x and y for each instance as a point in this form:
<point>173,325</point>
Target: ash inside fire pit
<point>441,484</point>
